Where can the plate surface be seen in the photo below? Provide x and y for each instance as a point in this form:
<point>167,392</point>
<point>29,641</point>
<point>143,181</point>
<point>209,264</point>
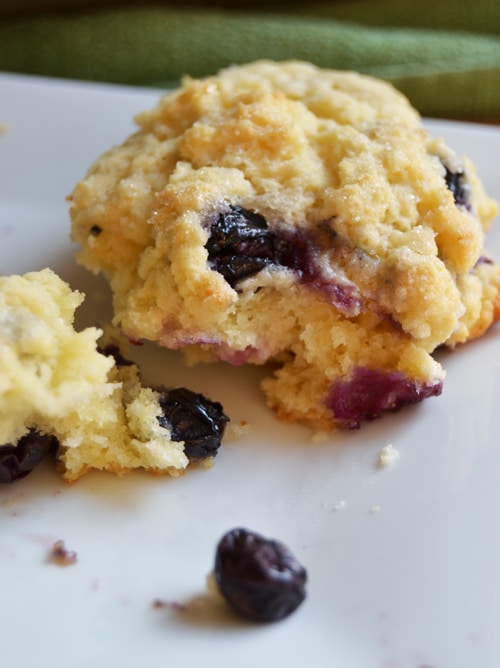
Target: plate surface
<point>403,562</point>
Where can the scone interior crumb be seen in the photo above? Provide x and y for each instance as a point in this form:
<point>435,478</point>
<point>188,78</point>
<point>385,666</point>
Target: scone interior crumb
<point>57,381</point>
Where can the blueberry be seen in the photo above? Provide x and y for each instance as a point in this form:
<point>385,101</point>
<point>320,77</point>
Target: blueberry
<point>369,392</point>
<point>194,419</point>
<point>16,461</point>
<point>240,244</point>
<point>458,185</point>
<point>259,577</point>
<point>189,416</point>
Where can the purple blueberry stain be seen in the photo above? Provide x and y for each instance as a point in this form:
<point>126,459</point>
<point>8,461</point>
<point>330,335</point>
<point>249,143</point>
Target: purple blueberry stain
<point>241,244</point>
<point>483,259</point>
<point>367,393</point>
<point>259,577</point>
<point>6,230</point>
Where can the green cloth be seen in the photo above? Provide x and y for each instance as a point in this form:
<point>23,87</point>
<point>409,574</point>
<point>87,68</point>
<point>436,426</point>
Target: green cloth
<point>447,62</point>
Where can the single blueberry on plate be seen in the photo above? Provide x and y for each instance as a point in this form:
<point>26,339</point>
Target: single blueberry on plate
<point>194,419</point>
<point>259,577</point>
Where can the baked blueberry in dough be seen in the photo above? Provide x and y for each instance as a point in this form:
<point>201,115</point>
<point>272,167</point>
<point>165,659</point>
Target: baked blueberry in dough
<point>280,213</point>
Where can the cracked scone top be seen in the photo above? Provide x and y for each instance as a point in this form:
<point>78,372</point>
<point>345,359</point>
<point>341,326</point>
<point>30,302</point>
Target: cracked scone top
<point>281,213</point>
<point>56,382</point>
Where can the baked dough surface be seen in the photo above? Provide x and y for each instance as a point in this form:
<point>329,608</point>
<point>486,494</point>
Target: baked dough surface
<point>279,213</point>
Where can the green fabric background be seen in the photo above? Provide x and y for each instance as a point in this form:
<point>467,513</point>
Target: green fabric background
<point>444,56</point>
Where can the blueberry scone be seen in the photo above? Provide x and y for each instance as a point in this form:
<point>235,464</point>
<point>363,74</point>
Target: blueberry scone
<point>279,213</point>
<point>60,390</point>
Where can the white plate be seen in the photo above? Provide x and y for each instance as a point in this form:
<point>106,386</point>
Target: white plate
<point>415,584</point>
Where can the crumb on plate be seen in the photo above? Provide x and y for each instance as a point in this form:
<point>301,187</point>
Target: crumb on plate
<point>61,556</point>
<point>388,455</point>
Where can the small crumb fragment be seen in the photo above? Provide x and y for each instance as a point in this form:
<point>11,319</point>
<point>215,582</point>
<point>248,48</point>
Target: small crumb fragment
<point>61,556</point>
<point>160,603</point>
<point>388,455</point>
<point>11,501</point>
<point>375,509</point>
<point>320,436</point>
<point>236,430</point>
<point>207,463</point>
<point>212,587</point>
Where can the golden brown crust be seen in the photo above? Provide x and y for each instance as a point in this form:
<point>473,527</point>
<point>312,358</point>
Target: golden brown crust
<point>391,223</point>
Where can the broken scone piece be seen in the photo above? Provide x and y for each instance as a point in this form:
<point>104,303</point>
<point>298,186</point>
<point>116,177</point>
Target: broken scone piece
<point>56,384</point>
<point>281,213</point>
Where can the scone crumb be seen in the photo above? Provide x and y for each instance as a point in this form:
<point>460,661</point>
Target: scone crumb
<point>76,392</point>
<point>388,455</point>
<point>211,585</point>
<point>236,430</point>
<point>61,556</point>
<point>207,463</point>
<point>11,501</point>
<point>374,509</point>
<point>320,436</point>
<point>160,603</point>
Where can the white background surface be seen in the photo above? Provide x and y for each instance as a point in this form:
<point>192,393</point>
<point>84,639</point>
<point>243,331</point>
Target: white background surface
<point>414,585</point>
